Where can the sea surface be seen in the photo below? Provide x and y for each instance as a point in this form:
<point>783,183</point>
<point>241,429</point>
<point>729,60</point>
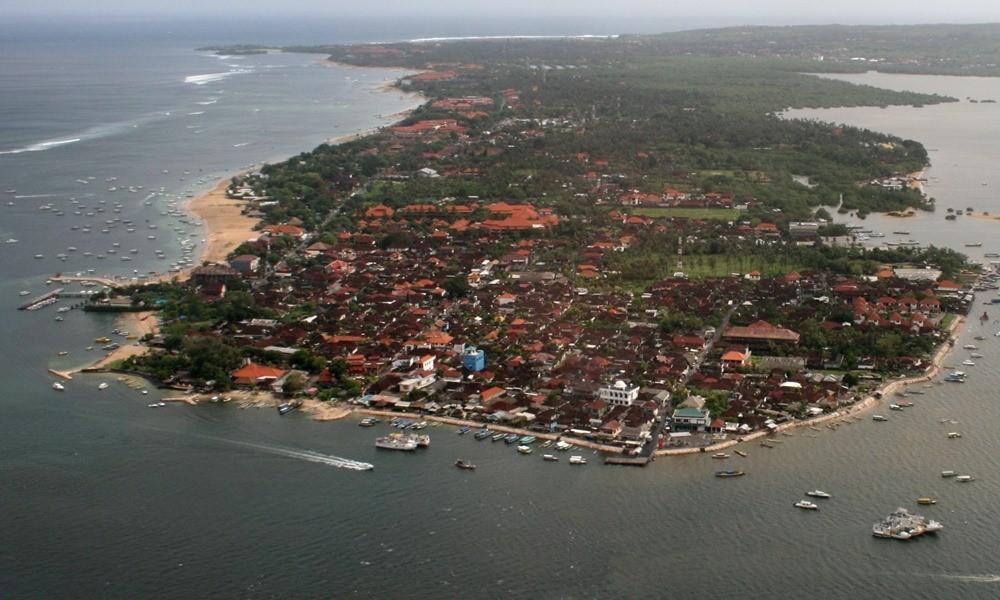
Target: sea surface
<point>104,497</point>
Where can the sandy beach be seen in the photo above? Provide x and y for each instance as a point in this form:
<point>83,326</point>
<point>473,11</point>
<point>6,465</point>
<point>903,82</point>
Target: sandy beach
<point>138,325</point>
<point>226,227</point>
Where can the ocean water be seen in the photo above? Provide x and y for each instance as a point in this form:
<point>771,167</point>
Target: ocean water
<point>104,497</point>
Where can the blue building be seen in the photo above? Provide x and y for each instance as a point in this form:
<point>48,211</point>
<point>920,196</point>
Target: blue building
<point>474,359</point>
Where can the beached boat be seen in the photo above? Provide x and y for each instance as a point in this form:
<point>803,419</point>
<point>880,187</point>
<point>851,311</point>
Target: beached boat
<point>729,473</point>
<point>818,494</point>
<point>461,464</point>
<point>286,407</point>
<point>577,460</point>
<point>806,505</point>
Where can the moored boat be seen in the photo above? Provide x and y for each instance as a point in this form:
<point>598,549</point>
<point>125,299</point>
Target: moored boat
<point>482,434</point>
<point>462,464</point>
<point>806,505</point>
<point>948,473</point>
<point>577,460</point>
<point>730,473</point>
<point>741,453</point>
<point>550,457</point>
<point>926,501</point>
<point>720,455</point>
<point>818,494</point>
<point>58,386</point>
<point>524,449</point>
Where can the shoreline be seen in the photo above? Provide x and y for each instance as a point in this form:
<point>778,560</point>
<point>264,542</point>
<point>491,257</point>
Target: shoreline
<point>886,389</point>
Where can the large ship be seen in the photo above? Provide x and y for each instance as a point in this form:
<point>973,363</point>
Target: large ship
<point>903,525</point>
<point>396,441</point>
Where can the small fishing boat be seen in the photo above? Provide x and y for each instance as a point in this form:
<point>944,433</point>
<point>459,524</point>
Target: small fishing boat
<point>965,478</point>
<point>499,436</point>
<point>550,457</point>
<point>577,460</point>
<point>879,418</point>
<point>463,431</point>
<point>806,505</point>
<point>482,434</point>
<point>948,473</point>
<point>524,449</point>
<point>741,453</point>
<point>720,455</point>
<point>461,464</point>
<point>818,494</point>
<point>926,501</point>
<point>103,385</point>
<point>58,386</point>
<point>729,473</point>
<point>511,438</point>
<point>767,445</point>
<point>528,439</point>
<point>954,435</point>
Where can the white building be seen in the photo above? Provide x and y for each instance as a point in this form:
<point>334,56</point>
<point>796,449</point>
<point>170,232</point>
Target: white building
<point>619,394</point>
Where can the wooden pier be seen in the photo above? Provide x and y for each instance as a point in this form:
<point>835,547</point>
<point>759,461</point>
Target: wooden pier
<point>627,461</point>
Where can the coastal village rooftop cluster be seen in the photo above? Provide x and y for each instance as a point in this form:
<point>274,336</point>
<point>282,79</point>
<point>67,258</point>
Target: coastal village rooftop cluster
<point>410,296</point>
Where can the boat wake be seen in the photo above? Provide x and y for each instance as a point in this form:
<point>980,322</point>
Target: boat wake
<point>987,578</point>
<point>98,131</point>
<point>210,77</point>
<point>38,147</point>
<point>306,455</point>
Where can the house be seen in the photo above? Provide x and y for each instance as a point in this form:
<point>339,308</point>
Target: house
<point>736,358</point>
<point>417,380</point>
<point>760,334</point>
<point>246,264</point>
<point>619,393</point>
<point>474,359</point>
<point>691,418</point>
<point>253,374</point>
<point>212,273</point>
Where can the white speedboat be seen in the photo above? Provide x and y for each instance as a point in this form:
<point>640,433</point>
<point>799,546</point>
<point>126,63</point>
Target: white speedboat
<point>58,386</point>
<point>818,494</point>
<point>965,478</point>
<point>953,435</point>
<point>577,460</point>
<point>103,385</point>
<point>968,363</point>
<point>806,505</point>
<point>524,449</point>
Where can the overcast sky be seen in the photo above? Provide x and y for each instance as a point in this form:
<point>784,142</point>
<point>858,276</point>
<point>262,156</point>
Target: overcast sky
<point>748,11</point>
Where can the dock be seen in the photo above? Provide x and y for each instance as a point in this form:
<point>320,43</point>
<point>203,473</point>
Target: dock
<point>627,461</point>
<point>51,295</point>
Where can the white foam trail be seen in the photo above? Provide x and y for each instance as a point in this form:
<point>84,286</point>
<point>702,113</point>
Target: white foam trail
<point>306,455</point>
<point>987,578</point>
<point>98,131</point>
<point>196,113</point>
<point>38,147</point>
<point>208,102</point>
<point>27,196</point>
<point>210,77</point>
<point>241,145</point>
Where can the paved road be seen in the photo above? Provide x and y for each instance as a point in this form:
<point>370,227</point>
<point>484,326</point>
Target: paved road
<point>661,422</point>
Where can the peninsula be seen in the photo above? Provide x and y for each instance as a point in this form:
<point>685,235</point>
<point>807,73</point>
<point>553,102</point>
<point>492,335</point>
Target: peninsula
<point>615,240</point>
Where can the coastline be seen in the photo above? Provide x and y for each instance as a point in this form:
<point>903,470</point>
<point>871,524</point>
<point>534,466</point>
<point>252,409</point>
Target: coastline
<point>885,390</point>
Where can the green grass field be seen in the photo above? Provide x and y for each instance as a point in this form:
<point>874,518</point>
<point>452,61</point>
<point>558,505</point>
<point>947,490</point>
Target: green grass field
<point>719,214</point>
